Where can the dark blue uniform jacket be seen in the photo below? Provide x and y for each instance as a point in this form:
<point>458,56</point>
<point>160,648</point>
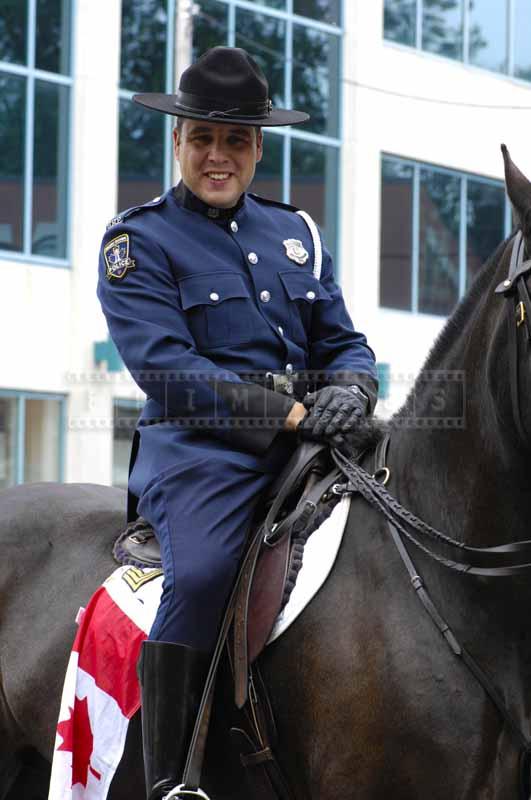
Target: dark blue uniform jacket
<point>194,304</point>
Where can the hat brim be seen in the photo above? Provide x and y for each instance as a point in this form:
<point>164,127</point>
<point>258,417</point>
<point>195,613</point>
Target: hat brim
<point>168,104</point>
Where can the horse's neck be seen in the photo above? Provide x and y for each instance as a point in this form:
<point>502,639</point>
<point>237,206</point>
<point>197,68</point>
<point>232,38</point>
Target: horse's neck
<point>458,482</point>
<point>455,483</point>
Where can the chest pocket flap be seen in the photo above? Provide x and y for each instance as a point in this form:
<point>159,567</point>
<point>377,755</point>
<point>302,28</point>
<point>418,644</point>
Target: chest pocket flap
<point>303,286</point>
<point>218,307</point>
<point>211,289</point>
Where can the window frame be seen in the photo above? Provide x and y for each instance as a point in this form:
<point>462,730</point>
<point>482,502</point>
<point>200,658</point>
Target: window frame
<point>127,94</point>
<point>32,74</point>
<point>417,166</point>
<point>21,396</point>
<point>130,404</point>
<point>510,13</point>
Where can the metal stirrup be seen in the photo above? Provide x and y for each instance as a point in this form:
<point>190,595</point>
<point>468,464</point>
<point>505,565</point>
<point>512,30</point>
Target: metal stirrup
<point>182,791</point>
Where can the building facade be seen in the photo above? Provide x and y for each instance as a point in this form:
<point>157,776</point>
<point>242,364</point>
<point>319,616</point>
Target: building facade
<point>400,165</point>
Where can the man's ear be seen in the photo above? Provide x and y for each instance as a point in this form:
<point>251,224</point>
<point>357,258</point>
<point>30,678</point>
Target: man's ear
<point>176,141</point>
<point>259,145</point>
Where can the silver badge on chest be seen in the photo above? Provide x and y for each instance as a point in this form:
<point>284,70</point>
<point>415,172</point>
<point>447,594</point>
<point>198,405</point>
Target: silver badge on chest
<point>296,251</point>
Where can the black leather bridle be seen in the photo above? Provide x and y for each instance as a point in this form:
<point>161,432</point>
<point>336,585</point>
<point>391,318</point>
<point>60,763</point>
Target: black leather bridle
<point>514,288</point>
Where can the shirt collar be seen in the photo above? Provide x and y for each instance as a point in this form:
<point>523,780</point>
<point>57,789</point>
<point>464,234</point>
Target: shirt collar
<point>189,200</point>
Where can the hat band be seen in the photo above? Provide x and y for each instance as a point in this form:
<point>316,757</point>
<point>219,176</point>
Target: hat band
<point>258,109</point>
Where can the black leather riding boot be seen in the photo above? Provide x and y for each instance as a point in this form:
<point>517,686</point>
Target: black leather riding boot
<point>172,677</point>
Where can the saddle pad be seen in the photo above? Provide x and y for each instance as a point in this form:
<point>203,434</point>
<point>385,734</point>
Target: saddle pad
<point>101,691</point>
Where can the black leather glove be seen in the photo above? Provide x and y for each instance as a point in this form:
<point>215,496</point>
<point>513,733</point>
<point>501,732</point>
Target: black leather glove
<point>333,411</point>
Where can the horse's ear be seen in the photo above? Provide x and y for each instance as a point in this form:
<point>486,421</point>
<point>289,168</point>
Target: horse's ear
<point>519,191</point>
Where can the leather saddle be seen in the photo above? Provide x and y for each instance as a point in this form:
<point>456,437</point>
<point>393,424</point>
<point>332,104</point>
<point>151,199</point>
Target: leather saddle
<point>295,505</point>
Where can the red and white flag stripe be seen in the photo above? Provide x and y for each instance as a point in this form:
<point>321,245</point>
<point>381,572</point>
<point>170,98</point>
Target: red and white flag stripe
<point>101,690</point>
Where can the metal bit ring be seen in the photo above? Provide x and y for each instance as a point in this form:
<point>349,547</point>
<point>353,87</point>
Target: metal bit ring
<point>182,791</point>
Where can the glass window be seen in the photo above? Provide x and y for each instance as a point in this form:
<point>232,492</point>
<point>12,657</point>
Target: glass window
<point>35,225</point>
<point>488,34</point>
<point>141,154</point>
<point>263,37</point>
<point>315,78</point>
<point>396,230</point>
<point>321,10</point>
<point>400,21</point>
<point>268,178</point>
<point>439,241</point>
<point>12,108</point>
<point>125,418</point>
<point>485,223</point>
<point>41,440</point>
<point>50,169</point>
<point>143,53</point>
<point>13,30</point>
<point>52,52</point>
<point>442,27</point>
<point>210,26</point>
<point>314,175</point>
<point>522,38</point>
<point>8,441</point>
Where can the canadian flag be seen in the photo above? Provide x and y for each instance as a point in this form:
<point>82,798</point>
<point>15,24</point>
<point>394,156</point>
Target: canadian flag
<point>101,690</point>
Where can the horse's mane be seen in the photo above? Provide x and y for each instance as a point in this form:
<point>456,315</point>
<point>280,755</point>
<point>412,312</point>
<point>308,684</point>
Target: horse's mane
<point>459,318</point>
<point>368,434</point>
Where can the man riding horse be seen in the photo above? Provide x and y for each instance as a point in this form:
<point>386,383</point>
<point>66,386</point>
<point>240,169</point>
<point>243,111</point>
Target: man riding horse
<point>222,304</point>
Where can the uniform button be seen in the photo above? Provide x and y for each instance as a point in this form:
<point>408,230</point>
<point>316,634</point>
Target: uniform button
<point>214,296</point>
<point>281,330</point>
<point>265,296</point>
<point>310,295</point>
<point>289,369</point>
<point>234,226</point>
<point>253,258</point>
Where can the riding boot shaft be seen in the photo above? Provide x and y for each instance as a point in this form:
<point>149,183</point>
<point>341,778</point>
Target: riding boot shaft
<point>172,677</point>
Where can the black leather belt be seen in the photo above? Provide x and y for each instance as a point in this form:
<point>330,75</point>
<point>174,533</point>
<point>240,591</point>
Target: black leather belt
<point>287,382</point>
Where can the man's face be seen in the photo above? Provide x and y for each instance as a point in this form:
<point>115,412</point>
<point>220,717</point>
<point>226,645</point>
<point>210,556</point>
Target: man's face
<point>217,160</point>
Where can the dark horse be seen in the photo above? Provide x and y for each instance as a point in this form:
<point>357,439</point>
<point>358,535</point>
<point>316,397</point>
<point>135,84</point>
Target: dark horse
<point>369,701</point>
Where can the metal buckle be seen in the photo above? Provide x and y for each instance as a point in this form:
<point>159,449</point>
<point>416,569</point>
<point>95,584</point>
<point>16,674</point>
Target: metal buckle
<point>520,314</point>
<point>138,538</point>
<point>382,472</point>
<point>182,791</point>
<point>282,382</point>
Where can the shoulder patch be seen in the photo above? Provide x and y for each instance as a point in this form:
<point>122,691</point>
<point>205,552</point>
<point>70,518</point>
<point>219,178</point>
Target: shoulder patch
<point>267,202</point>
<point>117,260</point>
<point>123,215</point>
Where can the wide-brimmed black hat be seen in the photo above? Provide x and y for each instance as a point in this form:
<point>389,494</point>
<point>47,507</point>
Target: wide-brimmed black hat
<point>224,85</point>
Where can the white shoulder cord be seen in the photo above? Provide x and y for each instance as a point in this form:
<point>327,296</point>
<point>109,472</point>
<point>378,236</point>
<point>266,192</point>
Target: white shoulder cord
<point>317,247</point>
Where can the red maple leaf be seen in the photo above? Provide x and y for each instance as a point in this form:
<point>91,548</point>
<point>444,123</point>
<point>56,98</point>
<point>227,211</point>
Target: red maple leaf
<point>78,740</point>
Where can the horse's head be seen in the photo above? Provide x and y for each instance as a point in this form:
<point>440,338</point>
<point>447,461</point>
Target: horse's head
<point>510,371</point>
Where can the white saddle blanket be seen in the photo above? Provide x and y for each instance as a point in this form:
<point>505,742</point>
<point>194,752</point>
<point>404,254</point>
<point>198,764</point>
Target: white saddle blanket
<point>101,691</point>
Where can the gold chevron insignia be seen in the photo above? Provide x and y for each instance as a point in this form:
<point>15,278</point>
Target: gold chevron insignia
<point>135,578</point>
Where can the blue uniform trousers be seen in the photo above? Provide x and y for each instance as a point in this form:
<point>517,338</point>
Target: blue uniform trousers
<point>201,512</point>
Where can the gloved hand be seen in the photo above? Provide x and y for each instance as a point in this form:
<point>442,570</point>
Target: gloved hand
<point>333,411</point>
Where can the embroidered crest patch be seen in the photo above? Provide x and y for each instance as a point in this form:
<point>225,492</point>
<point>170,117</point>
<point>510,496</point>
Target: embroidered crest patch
<point>296,251</point>
<point>117,257</point>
